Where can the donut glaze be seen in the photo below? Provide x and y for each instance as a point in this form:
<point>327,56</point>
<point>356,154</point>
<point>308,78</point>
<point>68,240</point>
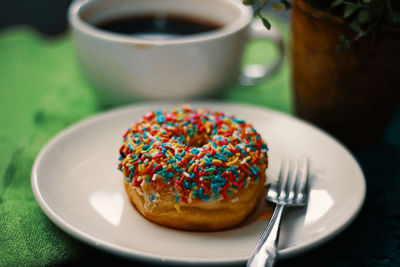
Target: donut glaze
<point>193,169</point>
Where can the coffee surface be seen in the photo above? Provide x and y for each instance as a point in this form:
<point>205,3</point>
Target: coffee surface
<point>158,27</point>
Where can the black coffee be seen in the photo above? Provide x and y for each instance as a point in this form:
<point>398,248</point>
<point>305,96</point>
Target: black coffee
<point>158,27</point>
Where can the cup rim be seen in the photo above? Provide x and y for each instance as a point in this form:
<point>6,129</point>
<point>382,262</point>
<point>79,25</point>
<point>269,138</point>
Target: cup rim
<point>77,22</point>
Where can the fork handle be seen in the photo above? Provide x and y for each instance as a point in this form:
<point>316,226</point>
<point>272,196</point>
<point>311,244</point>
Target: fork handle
<point>266,250</point>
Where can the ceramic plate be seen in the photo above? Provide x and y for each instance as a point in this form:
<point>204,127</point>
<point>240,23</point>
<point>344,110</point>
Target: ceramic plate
<point>76,182</point>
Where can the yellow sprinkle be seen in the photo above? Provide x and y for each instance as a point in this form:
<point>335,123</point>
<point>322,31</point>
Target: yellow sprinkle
<point>217,161</point>
<point>227,121</point>
<point>144,187</point>
<point>190,195</point>
<point>247,158</point>
<point>178,208</point>
<point>248,182</point>
<point>170,154</point>
<point>233,162</point>
<point>169,166</point>
<point>202,163</point>
<point>231,146</point>
<point>139,147</point>
<point>124,170</point>
<point>191,167</point>
<point>195,188</point>
<point>233,190</point>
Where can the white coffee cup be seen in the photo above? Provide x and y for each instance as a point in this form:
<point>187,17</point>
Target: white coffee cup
<point>124,68</point>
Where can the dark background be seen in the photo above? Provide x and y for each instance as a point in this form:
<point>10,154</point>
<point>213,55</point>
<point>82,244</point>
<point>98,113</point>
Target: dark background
<point>46,16</point>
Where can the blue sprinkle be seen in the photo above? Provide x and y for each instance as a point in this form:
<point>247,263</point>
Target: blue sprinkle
<point>186,184</point>
<point>254,170</point>
<point>238,121</point>
<point>183,153</point>
<point>195,151</point>
<point>264,146</point>
<point>220,157</point>
<point>177,169</point>
<point>241,150</point>
<point>160,119</point>
<point>120,158</point>
<point>227,153</point>
<point>151,198</point>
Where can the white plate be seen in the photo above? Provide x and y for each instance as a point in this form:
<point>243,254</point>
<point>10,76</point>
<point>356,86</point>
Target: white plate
<point>76,182</point>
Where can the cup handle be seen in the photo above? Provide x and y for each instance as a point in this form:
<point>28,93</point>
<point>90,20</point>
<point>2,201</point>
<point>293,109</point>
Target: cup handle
<point>254,73</point>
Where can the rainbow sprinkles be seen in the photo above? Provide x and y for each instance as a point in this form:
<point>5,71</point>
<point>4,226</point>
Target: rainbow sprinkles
<point>199,154</point>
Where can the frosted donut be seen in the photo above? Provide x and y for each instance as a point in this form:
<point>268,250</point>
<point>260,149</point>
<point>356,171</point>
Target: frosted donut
<point>193,169</point>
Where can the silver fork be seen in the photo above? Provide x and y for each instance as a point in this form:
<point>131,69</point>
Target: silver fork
<point>290,189</point>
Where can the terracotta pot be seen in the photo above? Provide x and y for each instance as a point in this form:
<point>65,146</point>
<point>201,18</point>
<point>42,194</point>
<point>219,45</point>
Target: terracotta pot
<point>352,95</point>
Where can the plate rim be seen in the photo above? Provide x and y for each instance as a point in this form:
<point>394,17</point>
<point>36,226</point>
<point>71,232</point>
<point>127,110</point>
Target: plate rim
<point>156,258</point>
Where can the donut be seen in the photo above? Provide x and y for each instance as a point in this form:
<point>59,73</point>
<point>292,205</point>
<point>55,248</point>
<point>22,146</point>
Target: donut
<point>193,169</point>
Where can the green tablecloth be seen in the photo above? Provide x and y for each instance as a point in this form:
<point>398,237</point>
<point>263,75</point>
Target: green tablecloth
<point>42,91</point>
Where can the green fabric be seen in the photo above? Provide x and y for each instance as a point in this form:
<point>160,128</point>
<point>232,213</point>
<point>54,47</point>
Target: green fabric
<point>42,91</point>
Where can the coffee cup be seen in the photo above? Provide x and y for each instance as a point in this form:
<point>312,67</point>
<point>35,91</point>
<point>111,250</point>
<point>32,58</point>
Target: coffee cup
<point>127,66</point>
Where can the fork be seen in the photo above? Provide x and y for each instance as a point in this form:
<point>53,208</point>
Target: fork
<point>290,189</point>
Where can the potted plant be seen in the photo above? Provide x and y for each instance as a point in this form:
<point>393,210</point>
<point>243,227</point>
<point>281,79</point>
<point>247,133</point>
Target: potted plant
<point>345,64</point>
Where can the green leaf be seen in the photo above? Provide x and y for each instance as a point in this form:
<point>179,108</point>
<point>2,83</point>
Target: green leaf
<point>342,39</point>
<point>395,18</point>
<point>355,26</point>
<point>250,2</point>
<point>364,16</point>
<point>341,48</point>
<point>350,9</point>
<point>360,34</point>
<point>336,3</point>
<point>266,23</point>
<point>257,11</point>
<point>278,7</point>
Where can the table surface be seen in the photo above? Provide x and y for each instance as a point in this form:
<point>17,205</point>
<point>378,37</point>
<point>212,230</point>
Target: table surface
<point>42,91</point>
